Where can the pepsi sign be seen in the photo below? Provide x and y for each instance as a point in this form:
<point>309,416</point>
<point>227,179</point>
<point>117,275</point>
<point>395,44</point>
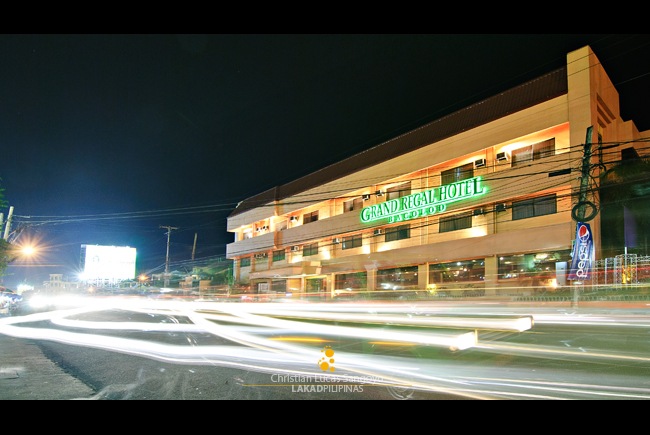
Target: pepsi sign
<point>583,253</point>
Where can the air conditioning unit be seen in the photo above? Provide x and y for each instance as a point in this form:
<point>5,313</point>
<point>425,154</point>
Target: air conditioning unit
<point>295,248</point>
<point>502,156</point>
<point>366,197</point>
<point>378,231</point>
<point>478,212</point>
<point>336,240</point>
<point>480,163</point>
<point>293,219</point>
<point>500,207</point>
<point>261,256</point>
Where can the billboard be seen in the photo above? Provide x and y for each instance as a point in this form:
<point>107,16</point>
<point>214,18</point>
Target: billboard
<point>583,253</point>
<point>107,263</point>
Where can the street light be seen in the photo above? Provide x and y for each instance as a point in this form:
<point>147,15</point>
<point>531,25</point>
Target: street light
<point>12,253</point>
<point>28,250</point>
<point>142,278</point>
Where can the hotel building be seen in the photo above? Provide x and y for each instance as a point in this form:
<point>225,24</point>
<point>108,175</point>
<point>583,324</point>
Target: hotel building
<point>483,201</point>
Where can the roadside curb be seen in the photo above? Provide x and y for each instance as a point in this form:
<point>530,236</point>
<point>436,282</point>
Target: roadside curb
<point>27,374</point>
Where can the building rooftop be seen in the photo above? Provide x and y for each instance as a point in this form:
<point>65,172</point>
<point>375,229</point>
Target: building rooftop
<point>531,93</point>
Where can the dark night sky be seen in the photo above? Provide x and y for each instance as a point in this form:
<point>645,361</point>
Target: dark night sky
<point>106,138</point>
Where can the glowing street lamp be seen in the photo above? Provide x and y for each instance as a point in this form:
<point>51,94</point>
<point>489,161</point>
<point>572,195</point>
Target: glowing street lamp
<point>21,252</point>
<point>28,250</point>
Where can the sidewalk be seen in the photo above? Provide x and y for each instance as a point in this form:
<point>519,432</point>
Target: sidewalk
<point>27,374</point>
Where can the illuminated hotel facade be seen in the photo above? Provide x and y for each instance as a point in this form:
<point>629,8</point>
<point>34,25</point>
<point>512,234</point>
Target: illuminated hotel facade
<point>482,201</point>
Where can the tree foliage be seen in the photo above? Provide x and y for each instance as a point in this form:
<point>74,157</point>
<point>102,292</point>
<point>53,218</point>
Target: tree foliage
<point>6,251</point>
<point>7,255</point>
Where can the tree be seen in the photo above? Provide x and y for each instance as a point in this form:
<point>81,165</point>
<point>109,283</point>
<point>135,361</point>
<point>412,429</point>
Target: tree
<point>7,255</point>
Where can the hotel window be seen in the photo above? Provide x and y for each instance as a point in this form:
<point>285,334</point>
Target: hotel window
<point>458,173</point>
<point>279,255</point>
<point>310,217</point>
<point>403,189</point>
<point>279,286</point>
<point>397,233</point>
<point>245,261</point>
<point>310,249</point>
<point>352,281</point>
<point>541,265</point>
<point>534,207</point>
<point>455,222</point>
<point>399,278</point>
<point>457,271</point>
<point>534,152</point>
<point>353,204</point>
<point>352,242</point>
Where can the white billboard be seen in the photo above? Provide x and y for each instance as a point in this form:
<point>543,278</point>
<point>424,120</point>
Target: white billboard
<point>108,263</point>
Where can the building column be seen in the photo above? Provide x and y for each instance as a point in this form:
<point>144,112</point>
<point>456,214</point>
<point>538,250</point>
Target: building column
<point>330,285</point>
<point>371,278</point>
<point>491,275</point>
<point>423,276</point>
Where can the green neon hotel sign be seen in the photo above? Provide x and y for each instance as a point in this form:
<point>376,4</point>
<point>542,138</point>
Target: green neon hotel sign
<point>423,203</point>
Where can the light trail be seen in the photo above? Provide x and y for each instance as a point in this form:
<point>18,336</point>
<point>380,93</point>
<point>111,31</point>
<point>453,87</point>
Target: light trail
<point>284,338</point>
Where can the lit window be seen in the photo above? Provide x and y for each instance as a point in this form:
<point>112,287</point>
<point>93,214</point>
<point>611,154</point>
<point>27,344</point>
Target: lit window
<point>353,204</point>
<point>458,173</point>
<point>403,189</point>
<point>310,217</point>
<point>533,152</point>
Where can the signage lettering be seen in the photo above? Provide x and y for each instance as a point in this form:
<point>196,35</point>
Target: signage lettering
<point>424,203</point>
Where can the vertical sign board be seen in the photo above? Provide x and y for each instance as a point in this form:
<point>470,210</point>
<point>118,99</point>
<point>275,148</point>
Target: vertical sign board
<point>582,256</point>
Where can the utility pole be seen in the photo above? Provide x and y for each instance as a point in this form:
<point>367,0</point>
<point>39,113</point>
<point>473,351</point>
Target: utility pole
<point>169,232</point>
<point>194,247</point>
<point>8,225</point>
<point>579,211</point>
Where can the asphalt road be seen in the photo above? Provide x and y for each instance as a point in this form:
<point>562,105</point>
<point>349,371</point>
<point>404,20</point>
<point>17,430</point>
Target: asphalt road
<point>575,353</point>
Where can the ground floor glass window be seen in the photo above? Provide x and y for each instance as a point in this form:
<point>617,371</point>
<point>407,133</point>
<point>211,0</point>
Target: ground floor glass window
<point>457,271</point>
<point>398,278</point>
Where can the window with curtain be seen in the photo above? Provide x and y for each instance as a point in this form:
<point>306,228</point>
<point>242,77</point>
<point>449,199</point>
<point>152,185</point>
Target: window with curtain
<point>403,189</point>
<point>458,173</point>
<point>310,249</point>
<point>310,217</point>
<point>455,222</point>
<point>279,255</point>
<point>540,206</point>
<point>397,233</point>
<point>353,204</point>
<point>350,242</point>
<point>533,152</point>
